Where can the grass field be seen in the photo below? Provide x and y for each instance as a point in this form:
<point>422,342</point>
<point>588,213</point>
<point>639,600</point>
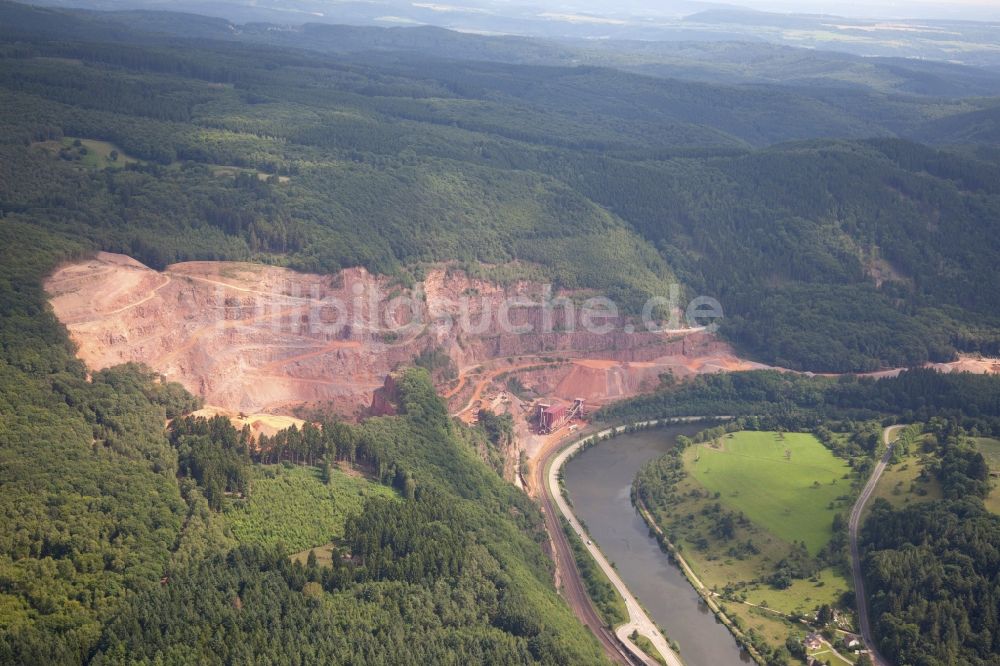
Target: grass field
<point>770,625</point>
<point>990,448</point>
<point>803,594</point>
<point>647,646</point>
<point>96,154</point>
<point>789,487</point>
<point>825,656</point>
<point>324,555</point>
<point>225,170</point>
<point>900,485</point>
<point>293,506</point>
<point>789,484</point>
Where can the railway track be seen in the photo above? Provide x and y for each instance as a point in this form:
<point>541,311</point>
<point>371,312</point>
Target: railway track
<point>572,584</point>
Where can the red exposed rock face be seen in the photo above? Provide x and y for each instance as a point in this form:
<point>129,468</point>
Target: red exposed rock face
<point>385,399</point>
<point>258,338</point>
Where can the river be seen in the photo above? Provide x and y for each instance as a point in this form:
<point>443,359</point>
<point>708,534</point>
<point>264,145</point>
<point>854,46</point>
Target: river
<point>599,481</point>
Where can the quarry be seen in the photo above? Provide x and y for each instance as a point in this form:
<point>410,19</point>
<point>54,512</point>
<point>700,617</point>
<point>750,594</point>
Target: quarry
<point>267,346</point>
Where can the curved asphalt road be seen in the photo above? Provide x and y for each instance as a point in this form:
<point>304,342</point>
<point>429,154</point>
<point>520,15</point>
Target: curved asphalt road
<point>853,524</point>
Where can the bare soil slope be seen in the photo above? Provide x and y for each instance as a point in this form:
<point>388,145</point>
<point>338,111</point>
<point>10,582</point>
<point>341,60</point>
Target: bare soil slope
<point>232,333</point>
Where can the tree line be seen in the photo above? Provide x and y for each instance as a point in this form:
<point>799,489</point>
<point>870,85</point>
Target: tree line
<point>932,570</point>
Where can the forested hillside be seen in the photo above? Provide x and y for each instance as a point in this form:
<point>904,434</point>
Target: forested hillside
<point>932,568</point>
<point>833,238</point>
<point>452,573</point>
<point>91,508</point>
<point>110,525</point>
<point>827,255</point>
<point>801,402</point>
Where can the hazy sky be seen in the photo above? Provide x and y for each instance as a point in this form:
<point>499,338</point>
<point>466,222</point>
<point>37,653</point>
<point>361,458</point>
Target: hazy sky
<point>961,9</point>
<point>968,9</point>
<point>978,10</point>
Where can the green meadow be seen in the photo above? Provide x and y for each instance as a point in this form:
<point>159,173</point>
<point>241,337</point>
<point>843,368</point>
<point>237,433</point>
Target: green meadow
<point>95,154</point>
<point>787,483</point>
<point>782,489</point>
<point>901,484</point>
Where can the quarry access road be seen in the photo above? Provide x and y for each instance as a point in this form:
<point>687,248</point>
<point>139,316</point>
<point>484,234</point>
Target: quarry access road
<point>150,296</point>
<point>490,376</point>
<point>487,377</point>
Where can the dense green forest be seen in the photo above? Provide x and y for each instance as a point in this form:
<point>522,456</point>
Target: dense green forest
<point>933,569</point>
<point>834,238</point>
<point>90,502</point>
<point>827,254</point>
<point>113,549</point>
<point>802,402</point>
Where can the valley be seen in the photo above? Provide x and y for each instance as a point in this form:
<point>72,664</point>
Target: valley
<point>258,344</point>
<point>345,344</point>
<point>252,339</point>
<point>267,346</point>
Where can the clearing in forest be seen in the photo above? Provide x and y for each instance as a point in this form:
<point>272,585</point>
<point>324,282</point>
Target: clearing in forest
<point>990,448</point>
<point>787,483</point>
<point>292,505</point>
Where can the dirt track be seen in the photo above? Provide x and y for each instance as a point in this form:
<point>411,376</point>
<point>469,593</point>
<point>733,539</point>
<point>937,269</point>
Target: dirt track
<point>486,379</point>
<point>260,424</point>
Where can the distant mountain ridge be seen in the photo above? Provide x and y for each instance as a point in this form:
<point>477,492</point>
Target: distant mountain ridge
<point>705,61</point>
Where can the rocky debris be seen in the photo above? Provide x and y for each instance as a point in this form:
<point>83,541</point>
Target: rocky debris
<point>386,398</point>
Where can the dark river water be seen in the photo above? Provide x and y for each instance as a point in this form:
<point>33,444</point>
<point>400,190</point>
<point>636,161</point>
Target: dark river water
<point>599,481</point>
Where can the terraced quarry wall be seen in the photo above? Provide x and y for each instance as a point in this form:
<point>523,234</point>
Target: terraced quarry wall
<point>255,338</point>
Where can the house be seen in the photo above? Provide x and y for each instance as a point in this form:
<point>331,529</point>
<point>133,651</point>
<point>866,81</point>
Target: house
<point>813,641</point>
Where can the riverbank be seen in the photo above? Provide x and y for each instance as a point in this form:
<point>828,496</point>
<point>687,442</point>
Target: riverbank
<point>752,514</point>
<point>696,583</point>
<point>598,476</point>
<point>639,620</point>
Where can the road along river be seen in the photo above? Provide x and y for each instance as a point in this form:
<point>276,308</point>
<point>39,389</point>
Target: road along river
<point>599,481</point>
